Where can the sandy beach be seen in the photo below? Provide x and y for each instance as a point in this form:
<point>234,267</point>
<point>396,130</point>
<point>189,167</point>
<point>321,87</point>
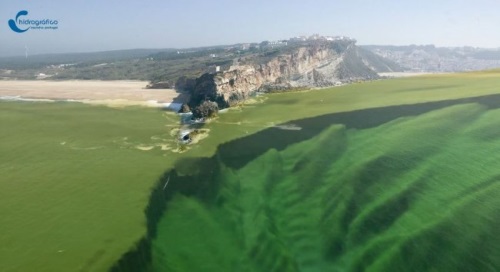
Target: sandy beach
<point>112,93</point>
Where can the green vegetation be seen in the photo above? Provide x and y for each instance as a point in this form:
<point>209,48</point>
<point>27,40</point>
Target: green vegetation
<point>40,61</point>
<point>155,65</point>
<point>76,179</point>
<point>206,109</point>
<point>139,64</point>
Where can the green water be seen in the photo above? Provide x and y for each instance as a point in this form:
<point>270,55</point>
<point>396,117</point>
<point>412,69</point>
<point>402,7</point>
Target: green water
<point>73,183</point>
<point>419,193</point>
<point>76,181</point>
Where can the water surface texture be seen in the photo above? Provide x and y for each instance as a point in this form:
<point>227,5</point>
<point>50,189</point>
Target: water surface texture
<point>418,192</point>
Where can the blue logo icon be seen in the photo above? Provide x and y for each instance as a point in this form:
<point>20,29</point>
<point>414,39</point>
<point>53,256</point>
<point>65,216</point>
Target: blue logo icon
<point>13,24</point>
<point>18,24</point>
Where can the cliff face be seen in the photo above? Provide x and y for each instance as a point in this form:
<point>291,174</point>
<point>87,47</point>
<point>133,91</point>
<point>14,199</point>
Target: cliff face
<point>316,65</point>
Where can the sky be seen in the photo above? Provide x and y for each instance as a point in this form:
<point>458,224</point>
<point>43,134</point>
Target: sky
<point>98,25</point>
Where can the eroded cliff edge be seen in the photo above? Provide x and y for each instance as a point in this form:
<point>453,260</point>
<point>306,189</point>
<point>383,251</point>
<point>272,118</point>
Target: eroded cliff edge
<point>307,65</point>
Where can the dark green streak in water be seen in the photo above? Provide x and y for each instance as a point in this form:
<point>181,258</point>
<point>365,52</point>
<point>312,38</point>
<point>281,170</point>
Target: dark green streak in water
<point>418,193</point>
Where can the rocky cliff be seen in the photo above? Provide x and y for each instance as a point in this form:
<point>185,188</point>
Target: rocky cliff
<point>318,64</point>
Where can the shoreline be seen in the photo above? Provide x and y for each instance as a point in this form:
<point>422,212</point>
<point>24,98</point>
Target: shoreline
<point>109,93</point>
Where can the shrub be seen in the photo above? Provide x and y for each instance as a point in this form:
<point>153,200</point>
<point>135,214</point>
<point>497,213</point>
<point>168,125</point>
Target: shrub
<point>206,109</point>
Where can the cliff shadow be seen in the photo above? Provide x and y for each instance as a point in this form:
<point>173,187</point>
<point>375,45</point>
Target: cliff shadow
<point>198,177</point>
<point>239,152</point>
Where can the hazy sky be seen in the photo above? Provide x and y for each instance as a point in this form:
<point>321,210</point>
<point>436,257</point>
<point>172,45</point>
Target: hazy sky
<point>93,25</point>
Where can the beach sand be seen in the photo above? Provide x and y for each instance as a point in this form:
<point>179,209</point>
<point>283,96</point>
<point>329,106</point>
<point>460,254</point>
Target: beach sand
<point>112,93</point>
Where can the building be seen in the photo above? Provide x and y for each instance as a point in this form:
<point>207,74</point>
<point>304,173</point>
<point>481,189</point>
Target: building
<point>213,69</point>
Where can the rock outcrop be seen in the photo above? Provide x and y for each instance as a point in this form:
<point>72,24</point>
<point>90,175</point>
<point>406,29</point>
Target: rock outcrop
<point>319,64</point>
